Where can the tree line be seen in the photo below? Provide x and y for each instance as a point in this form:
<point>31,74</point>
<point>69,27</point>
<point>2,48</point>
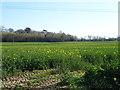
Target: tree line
<point>29,35</point>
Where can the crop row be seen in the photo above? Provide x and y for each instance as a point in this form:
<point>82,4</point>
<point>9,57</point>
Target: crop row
<point>71,56</point>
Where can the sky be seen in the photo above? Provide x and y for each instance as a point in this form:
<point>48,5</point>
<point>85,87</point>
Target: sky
<point>78,17</point>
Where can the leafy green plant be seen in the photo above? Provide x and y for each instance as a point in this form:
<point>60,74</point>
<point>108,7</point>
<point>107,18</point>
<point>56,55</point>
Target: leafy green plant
<point>105,77</point>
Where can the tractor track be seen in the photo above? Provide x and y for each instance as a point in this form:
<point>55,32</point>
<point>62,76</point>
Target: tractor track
<point>22,80</point>
<point>43,82</point>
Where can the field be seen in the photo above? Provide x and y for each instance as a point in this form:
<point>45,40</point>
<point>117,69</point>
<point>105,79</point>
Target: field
<point>77,64</point>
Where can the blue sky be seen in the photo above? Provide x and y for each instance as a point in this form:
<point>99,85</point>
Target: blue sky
<point>75,18</point>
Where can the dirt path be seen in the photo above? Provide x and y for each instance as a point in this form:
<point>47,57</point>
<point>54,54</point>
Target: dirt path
<point>35,79</point>
<point>25,80</point>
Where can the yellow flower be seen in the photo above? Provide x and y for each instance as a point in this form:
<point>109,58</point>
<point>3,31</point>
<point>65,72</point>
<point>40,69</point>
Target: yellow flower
<point>115,79</point>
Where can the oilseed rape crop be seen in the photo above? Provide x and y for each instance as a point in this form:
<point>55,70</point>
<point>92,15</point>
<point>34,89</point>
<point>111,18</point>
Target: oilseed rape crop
<point>91,57</point>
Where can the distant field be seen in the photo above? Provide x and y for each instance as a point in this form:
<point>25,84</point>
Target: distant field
<point>28,56</point>
<point>41,55</point>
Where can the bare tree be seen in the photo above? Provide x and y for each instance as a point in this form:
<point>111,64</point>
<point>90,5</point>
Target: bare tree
<point>11,30</point>
<point>3,29</point>
<point>20,31</point>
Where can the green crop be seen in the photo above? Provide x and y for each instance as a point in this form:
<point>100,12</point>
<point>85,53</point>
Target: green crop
<point>22,56</point>
<point>72,56</point>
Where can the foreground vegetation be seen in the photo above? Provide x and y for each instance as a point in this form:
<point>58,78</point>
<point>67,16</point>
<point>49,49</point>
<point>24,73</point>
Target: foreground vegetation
<point>99,61</point>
